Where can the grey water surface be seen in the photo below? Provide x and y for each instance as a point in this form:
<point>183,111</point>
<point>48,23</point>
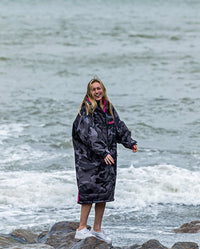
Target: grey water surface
<point>147,54</point>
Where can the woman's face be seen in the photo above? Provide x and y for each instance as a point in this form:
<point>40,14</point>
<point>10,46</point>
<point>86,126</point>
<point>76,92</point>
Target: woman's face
<point>97,91</point>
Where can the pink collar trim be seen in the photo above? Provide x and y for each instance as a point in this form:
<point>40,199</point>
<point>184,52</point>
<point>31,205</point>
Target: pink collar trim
<point>104,104</point>
<point>104,101</point>
<point>88,100</point>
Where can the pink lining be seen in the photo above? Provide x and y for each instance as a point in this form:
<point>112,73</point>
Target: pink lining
<point>111,122</point>
<point>104,104</point>
<point>78,197</point>
<point>88,100</point>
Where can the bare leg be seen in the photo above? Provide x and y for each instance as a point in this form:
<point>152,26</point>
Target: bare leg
<point>85,211</point>
<point>99,211</point>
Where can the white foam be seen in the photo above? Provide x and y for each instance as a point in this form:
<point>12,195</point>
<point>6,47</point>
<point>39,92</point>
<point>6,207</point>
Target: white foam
<point>10,130</point>
<point>37,189</point>
<point>26,154</point>
<point>138,187</point>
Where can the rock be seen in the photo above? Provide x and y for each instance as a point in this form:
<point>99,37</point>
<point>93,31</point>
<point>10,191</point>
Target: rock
<point>152,244</point>
<point>41,236</point>
<point>25,235</point>
<point>33,246</point>
<point>61,236</point>
<point>59,229</point>
<point>192,227</point>
<point>89,243</point>
<point>185,245</point>
<point>7,240</point>
<point>17,237</point>
<point>133,247</point>
<point>66,241</point>
<point>129,247</point>
<point>65,226</point>
<point>60,233</point>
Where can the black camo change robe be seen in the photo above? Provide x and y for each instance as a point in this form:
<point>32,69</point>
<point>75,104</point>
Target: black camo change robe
<point>94,137</point>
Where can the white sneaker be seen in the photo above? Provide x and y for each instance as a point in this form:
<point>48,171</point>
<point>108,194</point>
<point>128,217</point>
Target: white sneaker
<point>101,236</point>
<point>83,234</point>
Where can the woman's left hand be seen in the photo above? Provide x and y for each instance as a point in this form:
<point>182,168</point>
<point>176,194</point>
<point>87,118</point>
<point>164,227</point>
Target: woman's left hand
<point>134,148</point>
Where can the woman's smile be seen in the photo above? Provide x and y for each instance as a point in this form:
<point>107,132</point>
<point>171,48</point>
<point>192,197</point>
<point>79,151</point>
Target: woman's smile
<point>97,91</point>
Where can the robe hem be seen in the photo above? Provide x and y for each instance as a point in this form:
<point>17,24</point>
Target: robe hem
<point>90,202</point>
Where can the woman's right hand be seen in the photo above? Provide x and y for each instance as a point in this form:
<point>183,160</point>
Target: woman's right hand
<point>109,159</point>
<point>135,148</point>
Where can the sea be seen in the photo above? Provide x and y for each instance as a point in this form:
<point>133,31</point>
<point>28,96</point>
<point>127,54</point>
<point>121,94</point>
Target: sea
<point>147,54</point>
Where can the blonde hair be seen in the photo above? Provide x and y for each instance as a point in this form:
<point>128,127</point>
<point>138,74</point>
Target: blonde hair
<point>90,107</point>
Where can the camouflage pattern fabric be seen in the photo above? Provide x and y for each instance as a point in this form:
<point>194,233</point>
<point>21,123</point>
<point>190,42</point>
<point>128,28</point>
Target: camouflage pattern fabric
<point>94,137</point>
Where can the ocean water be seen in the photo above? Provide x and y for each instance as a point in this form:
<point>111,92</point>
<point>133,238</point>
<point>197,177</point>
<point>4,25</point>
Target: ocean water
<point>147,54</point>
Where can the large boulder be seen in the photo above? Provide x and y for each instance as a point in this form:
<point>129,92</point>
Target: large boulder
<point>128,247</point>
<point>185,245</point>
<point>61,235</point>
<point>153,244</point>
<point>25,235</point>
<point>89,243</point>
<point>7,240</point>
<point>192,227</point>
<point>20,239</point>
<point>32,246</point>
<point>59,229</point>
<point>17,238</point>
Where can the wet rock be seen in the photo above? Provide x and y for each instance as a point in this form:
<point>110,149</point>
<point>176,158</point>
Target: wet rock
<point>152,244</point>
<point>61,233</point>
<point>16,238</point>
<point>192,227</point>
<point>129,247</point>
<point>61,236</point>
<point>134,247</point>
<point>25,235</point>
<point>41,236</point>
<point>89,243</point>
<point>58,230</point>
<point>7,240</point>
<point>185,245</point>
<point>63,241</point>
<point>32,246</point>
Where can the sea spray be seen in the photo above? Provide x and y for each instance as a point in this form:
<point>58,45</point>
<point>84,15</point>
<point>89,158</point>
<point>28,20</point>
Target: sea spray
<point>159,184</point>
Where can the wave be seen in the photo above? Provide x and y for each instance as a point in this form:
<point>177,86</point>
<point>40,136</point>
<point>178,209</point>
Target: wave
<point>159,184</point>
<point>23,153</point>
<point>10,130</point>
<point>16,156</point>
<point>136,187</point>
<point>37,189</point>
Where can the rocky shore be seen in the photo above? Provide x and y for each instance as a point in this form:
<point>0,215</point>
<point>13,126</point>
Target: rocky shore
<point>61,236</point>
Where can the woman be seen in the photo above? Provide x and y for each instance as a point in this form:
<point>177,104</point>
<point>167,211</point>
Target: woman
<point>96,131</point>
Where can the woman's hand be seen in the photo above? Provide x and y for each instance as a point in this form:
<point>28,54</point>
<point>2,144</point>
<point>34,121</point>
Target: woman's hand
<point>134,148</point>
<point>109,159</point>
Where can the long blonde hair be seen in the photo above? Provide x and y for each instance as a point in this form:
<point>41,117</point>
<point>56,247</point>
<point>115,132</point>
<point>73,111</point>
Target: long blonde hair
<point>90,107</point>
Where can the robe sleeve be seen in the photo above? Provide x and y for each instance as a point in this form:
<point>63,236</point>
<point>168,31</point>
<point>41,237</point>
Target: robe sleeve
<point>89,134</point>
<point>123,133</point>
